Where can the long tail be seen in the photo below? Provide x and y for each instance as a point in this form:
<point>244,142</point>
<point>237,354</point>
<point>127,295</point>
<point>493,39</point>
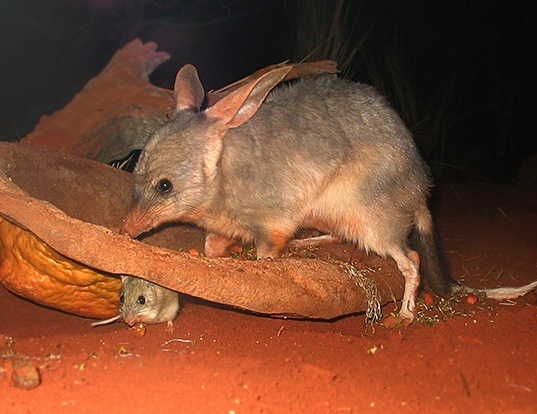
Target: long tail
<point>106,321</point>
<point>434,268</point>
<point>502,293</point>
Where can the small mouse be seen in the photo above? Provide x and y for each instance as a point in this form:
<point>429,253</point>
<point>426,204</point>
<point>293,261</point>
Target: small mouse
<point>260,164</point>
<point>141,301</point>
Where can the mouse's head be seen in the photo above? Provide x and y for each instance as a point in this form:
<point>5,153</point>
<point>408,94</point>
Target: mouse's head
<point>137,301</point>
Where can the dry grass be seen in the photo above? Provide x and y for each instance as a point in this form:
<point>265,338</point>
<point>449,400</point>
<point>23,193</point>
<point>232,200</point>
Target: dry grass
<point>325,30</point>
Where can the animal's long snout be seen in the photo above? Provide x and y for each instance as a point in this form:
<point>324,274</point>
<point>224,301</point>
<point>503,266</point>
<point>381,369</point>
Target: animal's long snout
<point>128,230</point>
<point>136,223</point>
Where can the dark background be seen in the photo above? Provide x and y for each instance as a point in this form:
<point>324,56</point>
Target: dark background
<point>460,72</point>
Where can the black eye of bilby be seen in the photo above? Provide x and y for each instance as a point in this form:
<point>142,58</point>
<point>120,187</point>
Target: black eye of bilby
<point>164,185</point>
<point>141,300</point>
<point>122,299</point>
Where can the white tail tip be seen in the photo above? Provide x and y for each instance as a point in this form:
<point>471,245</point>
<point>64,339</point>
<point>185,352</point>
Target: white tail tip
<point>503,293</point>
<point>106,321</point>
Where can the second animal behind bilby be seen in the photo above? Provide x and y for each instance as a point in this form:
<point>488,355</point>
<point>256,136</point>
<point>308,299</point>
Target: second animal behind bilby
<point>145,302</point>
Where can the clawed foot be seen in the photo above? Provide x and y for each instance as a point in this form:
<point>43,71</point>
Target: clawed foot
<point>169,327</point>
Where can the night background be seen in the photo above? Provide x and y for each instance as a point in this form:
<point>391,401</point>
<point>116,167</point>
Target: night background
<point>458,72</point>
<point>302,332</point>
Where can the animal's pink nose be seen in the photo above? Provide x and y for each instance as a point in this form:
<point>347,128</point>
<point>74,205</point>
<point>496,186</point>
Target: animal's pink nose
<point>138,221</point>
<point>126,231</point>
<point>131,320</point>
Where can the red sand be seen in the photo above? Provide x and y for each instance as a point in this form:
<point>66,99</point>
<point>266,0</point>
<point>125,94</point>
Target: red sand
<point>219,360</point>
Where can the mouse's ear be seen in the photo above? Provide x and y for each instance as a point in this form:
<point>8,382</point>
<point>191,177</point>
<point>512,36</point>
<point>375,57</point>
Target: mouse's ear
<point>240,105</point>
<point>188,90</point>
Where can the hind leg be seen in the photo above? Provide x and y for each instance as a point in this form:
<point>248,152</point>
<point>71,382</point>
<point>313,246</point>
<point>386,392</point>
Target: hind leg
<point>408,265</point>
<point>387,237</point>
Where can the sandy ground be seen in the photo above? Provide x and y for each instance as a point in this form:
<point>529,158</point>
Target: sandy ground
<point>458,357</point>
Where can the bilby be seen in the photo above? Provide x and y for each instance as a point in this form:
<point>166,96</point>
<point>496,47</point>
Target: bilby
<point>259,164</point>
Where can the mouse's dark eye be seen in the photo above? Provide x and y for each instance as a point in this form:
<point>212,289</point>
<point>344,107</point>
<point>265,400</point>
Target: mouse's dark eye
<point>164,185</point>
<point>122,299</point>
<point>141,300</point>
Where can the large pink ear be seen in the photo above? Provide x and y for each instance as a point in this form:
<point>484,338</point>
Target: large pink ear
<point>239,106</point>
<point>188,90</point>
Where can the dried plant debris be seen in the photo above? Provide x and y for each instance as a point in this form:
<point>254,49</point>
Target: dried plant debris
<point>443,309</point>
<point>364,281</point>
